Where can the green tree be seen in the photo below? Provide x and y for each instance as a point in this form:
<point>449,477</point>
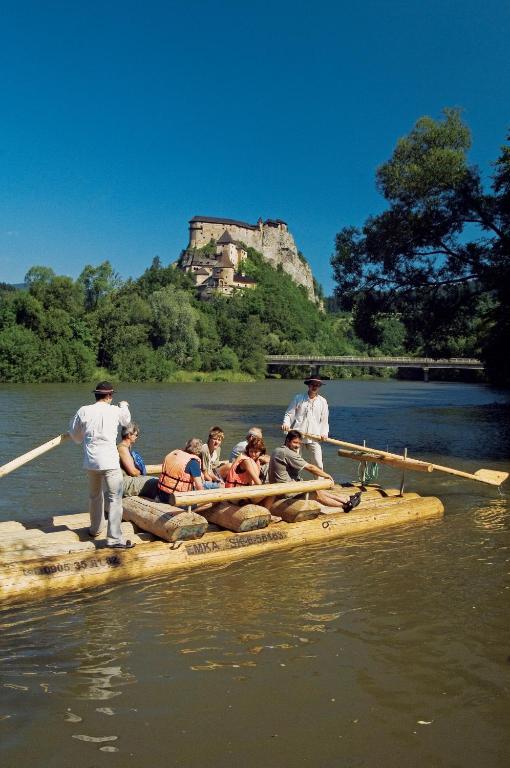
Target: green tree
<point>142,363</point>
<point>173,327</point>
<point>441,231</point>
<point>122,322</point>
<point>20,355</point>
<point>39,275</point>
<point>97,283</point>
<point>29,312</point>
<point>157,276</point>
<point>54,290</point>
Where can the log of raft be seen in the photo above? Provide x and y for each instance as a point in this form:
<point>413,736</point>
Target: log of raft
<point>41,570</point>
<point>251,517</point>
<point>154,469</point>
<point>297,510</point>
<point>215,495</point>
<point>169,523</point>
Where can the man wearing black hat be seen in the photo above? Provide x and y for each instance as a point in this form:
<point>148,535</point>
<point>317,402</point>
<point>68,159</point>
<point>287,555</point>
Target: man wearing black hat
<point>96,427</point>
<point>309,413</point>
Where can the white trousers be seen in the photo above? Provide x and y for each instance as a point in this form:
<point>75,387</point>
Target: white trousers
<point>108,481</point>
<point>313,453</point>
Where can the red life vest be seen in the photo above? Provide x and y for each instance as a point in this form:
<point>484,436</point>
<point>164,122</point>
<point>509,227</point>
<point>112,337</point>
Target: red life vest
<point>173,477</point>
<point>239,477</point>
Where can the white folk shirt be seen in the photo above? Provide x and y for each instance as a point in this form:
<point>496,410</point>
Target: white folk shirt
<point>96,427</point>
<point>308,414</point>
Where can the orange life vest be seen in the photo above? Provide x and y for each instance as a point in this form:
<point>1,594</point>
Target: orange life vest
<point>173,476</point>
<point>241,477</point>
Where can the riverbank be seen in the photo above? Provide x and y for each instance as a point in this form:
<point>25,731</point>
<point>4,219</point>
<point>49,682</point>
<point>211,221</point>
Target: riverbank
<point>229,376</point>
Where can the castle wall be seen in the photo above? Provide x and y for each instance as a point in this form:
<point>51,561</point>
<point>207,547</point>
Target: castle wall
<point>213,231</point>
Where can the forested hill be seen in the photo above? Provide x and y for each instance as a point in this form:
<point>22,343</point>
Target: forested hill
<point>62,330</point>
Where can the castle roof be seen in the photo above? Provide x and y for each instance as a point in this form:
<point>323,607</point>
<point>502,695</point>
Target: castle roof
<point>234,222</point>
<point>202,271</point>
<point>224,262</point>
<point>199,260</point>
<point>225,238</point>
<point>214,220</point>
<point>243,279</point>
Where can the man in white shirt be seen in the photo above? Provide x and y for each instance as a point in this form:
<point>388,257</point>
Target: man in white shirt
<point>309,413</point>
<point>96,427</point>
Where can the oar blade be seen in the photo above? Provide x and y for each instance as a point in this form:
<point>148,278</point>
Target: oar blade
<point>491,476</point>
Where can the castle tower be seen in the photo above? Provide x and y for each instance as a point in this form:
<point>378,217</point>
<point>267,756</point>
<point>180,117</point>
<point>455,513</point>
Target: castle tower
<point>223,274</point>
<point>226,247</point>
<point>195,231</point>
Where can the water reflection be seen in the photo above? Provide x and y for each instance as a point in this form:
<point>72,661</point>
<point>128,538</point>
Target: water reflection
<point>494,516</point>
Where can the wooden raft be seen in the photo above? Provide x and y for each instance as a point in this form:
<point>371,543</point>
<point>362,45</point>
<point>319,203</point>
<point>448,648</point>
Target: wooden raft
<point>56,558</point>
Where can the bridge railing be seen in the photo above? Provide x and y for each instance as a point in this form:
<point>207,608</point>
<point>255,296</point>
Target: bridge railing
<point>381,361</point>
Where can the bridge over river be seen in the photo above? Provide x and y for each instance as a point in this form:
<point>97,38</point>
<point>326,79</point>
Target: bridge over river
<point>314,363</point>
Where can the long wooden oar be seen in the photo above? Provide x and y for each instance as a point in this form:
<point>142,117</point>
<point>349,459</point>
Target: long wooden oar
<point>26,457</point>
<point>489,476</point>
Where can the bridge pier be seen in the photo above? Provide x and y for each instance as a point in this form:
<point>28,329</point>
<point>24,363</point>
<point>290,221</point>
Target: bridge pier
<point>315,371</point>
<point>425,374</point>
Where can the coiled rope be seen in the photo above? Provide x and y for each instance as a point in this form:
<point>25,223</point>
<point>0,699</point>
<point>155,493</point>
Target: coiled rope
<point>368,472</point>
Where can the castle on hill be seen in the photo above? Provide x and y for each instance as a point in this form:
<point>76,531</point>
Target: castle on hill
<point>218,269</point>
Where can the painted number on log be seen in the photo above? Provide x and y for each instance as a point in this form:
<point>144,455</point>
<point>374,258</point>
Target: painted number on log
<point>235,542</point>
<point>78,565</point>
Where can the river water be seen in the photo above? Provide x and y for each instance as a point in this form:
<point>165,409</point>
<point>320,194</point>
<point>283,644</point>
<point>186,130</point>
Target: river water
<point>386,649</point>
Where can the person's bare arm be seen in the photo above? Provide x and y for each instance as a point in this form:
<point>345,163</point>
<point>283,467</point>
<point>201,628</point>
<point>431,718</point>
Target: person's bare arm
<point>317,471</point>
<point>126,461</point>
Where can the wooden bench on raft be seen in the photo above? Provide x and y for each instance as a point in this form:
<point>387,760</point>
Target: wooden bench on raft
<point>189,513</point>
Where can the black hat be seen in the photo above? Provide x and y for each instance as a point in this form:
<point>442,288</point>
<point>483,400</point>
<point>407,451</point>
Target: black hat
<point>104,388</point>
<point>314,380</point>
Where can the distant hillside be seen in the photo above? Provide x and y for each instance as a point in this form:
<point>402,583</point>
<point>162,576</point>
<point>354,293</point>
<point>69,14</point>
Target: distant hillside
<point>12,286</point>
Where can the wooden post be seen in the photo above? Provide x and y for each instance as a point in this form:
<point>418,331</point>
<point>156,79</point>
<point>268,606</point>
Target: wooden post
<point>402,482</point>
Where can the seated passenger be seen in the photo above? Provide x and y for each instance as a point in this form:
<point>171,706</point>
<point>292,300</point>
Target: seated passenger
<point>286,465</point>
<point>135,481</point>
<point>182,471</point>
<point>245,470</point>
<point>241,447</point>
<point>213,469</point>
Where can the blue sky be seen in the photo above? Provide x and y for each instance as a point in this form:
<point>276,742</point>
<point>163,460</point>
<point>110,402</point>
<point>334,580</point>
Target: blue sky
<point>122,120</point>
